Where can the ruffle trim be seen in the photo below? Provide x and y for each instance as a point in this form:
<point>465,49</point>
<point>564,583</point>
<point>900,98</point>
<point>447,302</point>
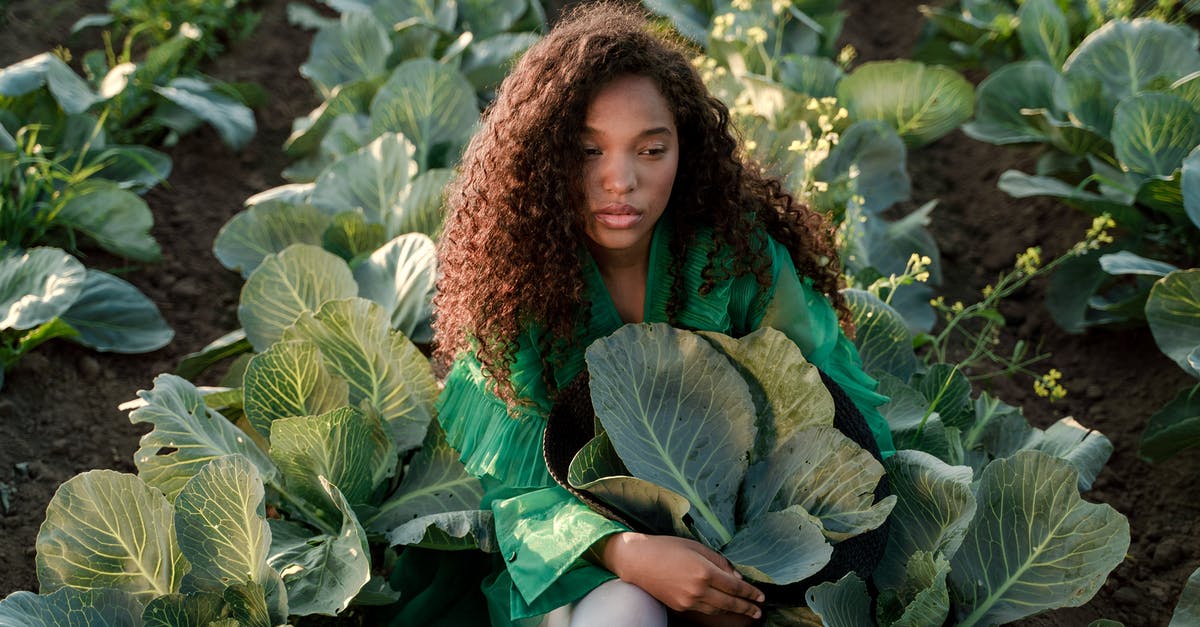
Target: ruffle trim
<point>490,441</point>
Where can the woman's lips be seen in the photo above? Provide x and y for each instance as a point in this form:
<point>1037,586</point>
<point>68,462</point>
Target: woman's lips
<point>618,216</point>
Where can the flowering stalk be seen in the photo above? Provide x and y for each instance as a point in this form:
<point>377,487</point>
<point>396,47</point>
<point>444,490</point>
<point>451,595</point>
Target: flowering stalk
<point>1027,266</point>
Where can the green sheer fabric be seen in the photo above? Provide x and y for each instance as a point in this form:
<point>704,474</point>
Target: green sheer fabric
<point>543,530</point>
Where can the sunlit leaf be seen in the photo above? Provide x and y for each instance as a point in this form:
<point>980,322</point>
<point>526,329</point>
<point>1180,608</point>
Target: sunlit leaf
<point>1033,545</point>
<point>384,369</point>
<point>111,315</point>
<point>1173,313</point>
<point>267,228</point>
<point>922,103</point>
<point>299,279</point>
<point>38,286</point>
<point>103,607</point>
<point>105,529</point>
<point>186,436</point>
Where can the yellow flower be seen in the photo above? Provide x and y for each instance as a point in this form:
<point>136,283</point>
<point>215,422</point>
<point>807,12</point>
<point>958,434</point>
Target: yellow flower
<point>741,5</point>
<point>987,290</point>
<point>756,34</point>
<point>779,6</point>
<point>1029,261</point>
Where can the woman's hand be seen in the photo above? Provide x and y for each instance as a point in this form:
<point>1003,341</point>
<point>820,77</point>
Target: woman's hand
<point>683,574</point>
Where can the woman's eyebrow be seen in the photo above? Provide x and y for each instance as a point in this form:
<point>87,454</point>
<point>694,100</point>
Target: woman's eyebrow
<point>657,130</point>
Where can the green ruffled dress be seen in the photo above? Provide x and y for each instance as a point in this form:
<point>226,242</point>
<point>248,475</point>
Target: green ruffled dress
<point>543,530</point>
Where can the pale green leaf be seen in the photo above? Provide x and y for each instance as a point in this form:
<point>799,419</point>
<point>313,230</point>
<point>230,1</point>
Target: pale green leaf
<point>779,547</point>
<point>1034,544</point>
<point>435,481</point>
<point>353,49</point>
<point>386,372</point>
<point>841,604</point>
<point>933,507</point>
<point>105,529</point>
<point>38,286</point>
<point>597,469</point>
<point>449,531</point>
<point>1043,31</point>
<point>1187,611</point>
<point>298,280</point>
<point>374,178</point>
<point>922,103</point>
<point>422,209</point>
<point>111,315</point>
<point>322,573</point>
<point>345,447</point>
<point>678,414</point>
<point>923,599</point>
<point>1005,98</point>
<point>220,519</point>
<point>1125,56</point>
<point>103,607</point>
<point>233,120</point>
<point>1126,262</point>
<point>827,474</point>
<point>873,151</point>
<point>429,103</point>
<point>69,91</point>
<point>1138,136</point>
<point>402,277</point>
<point>786,388</point>
<point>884,343</point>
<point>198,609</point>
<point>1189,183</point>
<point>267,228</point>
<point>290,379</point>
<point>1173,313</point>
<point>186,436</point>
<point>117,219</point>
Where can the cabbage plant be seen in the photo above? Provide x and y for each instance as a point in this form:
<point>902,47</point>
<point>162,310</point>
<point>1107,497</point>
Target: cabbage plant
<point>988,525</point>
<point>46,293</point>
<point>730,442</point>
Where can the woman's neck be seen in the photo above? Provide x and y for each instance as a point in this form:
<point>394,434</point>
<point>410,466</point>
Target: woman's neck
<point>624,273</point>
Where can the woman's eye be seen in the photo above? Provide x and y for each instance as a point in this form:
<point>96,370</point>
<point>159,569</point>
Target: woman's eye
<point>591,151</point>
<point>655,151</point>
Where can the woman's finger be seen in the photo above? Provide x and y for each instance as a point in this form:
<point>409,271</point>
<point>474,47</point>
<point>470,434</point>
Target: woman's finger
<point>734,586</point>
<point>722,602</point>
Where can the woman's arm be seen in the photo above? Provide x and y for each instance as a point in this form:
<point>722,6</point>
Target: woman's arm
<point>683,574</point>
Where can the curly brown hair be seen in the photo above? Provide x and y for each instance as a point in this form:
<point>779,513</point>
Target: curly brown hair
<point>510,249</point>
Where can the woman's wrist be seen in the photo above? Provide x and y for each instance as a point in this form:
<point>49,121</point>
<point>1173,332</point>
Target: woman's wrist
<point>610,551</point>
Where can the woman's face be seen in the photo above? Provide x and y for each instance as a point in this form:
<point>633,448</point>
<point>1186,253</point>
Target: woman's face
<point>631,152</point>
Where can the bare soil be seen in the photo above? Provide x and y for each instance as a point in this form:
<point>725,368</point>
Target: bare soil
<point>58,409</point>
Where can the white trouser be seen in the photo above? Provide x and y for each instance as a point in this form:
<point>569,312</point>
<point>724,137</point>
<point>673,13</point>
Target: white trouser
<point>614,603</point>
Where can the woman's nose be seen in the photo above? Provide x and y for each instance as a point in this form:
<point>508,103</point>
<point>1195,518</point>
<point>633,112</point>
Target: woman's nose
<point>619,175</point>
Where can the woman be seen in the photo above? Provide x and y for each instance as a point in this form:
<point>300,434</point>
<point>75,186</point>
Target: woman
<point>604,187</point>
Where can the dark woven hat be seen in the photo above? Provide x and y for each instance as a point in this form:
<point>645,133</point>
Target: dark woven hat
<point>571,424</point>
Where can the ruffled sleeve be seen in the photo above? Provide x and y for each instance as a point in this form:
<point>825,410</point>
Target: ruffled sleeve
<point>805,315</point>
<point>543,530</point>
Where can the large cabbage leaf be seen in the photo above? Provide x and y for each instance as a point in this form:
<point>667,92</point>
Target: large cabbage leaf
<point>106,529</point>
<point>298,280</point>
<point>597,469</point>
<point>322,573</point>
<point>117,219</point>
<point>934,505</point>
<point>431,103</point>
<point>1034,544</point>
<point>267,228</point>
<point>103,607</point>
<point>346,447</point>
<point>1140,138</point>
<point>69,91</point>
<point>186,436</point>
<point>678,414</point>
<point>353,49</point>
<point>402,277</point>
<point>786,388</point>
<point>374,178</point>
<point>922,103</point>
<point>1173,428</point>
<point>1171,312</point>
<point>844,603</point>
<point>884,342</point>
<point>111,315</point>
<point>38,286</point>
<point>220,520</point>
<point>290,379</point>
<point>1005,96</point>
<point>385,371</point>
<point>1187,612</point>
<point>435,481</point>
<point>779,547</point>
<point>184,610</point>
